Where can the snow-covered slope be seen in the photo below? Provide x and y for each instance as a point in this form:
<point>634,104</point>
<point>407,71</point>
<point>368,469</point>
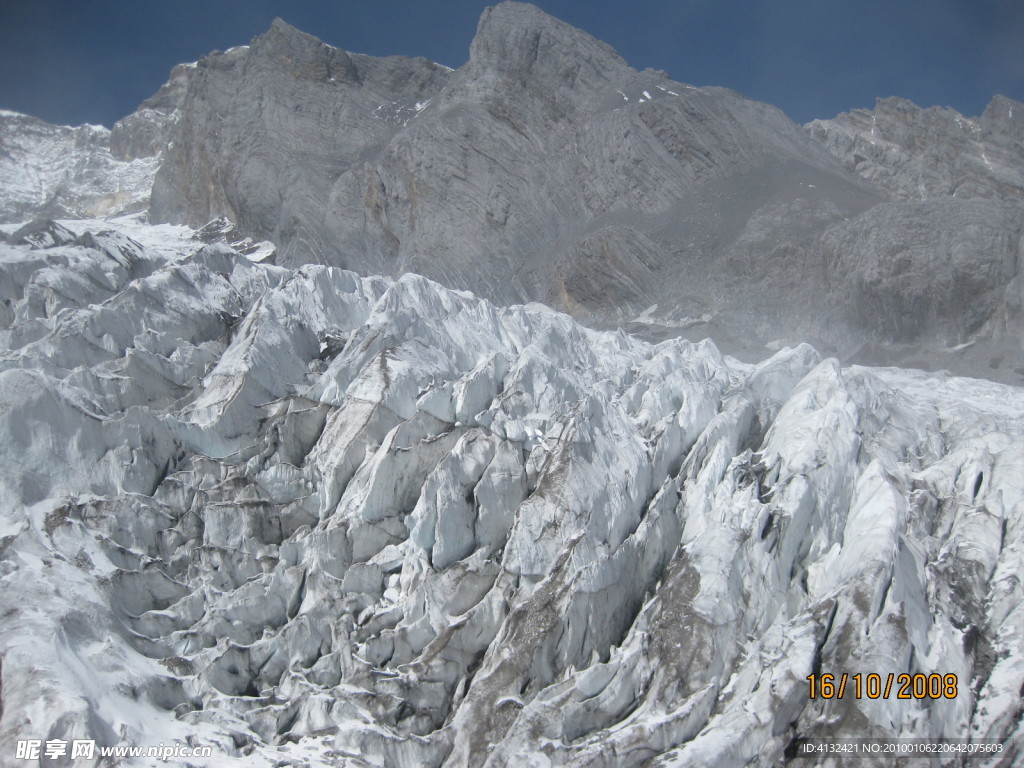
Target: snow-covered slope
<point>56,170</point>
<point>50,171</point>
<point>302,515</point>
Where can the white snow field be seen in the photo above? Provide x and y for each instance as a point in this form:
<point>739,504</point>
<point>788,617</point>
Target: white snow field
<point>309,518</point>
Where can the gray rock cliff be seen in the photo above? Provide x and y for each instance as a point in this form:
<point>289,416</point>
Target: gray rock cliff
<point>267,129</point>
<point>936,275</point>
<point>544,169</point>
<point>144,132</point>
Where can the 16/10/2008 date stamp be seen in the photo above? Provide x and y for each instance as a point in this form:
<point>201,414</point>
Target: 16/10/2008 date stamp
<point>875,686</point>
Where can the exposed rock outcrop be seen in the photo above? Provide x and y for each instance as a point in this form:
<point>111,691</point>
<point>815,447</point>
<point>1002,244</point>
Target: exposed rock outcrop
<point>546,169</point>
<point>920,154</point>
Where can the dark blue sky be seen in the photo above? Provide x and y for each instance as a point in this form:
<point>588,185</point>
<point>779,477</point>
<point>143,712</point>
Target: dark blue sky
<point>75,61</point>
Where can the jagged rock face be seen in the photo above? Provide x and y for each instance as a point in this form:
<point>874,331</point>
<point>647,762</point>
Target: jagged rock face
<point>919,154</point>
<point>266,129</point>
<point>937,274</point>
<point>144,133</point>
<point>544,169</point>
<point>314,518</point>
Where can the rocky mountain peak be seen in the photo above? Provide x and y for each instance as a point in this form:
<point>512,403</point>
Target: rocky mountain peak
<point>525,45</point>
<point>285,38</point>
<point>304,55</point>
<point>144,132</point>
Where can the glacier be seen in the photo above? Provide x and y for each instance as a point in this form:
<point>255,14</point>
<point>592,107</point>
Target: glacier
<point>313,518</point>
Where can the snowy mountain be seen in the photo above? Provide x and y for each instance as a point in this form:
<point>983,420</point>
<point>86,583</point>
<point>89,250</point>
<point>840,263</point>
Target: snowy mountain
<point>50,171</point>
<point>544,169</point>
<point>547,169</point>
<point>300,515</point>
<point>305,516</point>
<point>55,170</point>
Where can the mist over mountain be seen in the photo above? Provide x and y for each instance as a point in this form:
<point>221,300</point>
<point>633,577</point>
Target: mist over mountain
<point>363,412</point>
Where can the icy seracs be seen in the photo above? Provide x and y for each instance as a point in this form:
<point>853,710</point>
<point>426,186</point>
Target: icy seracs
<point>312,518</point>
